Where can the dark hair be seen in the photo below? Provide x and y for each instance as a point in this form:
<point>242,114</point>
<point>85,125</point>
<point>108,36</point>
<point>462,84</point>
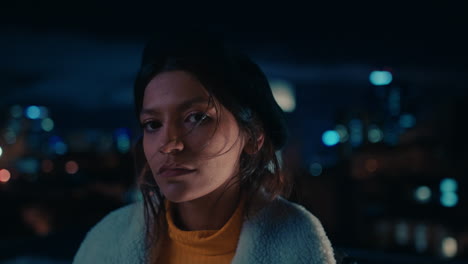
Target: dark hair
<point>242,88</point>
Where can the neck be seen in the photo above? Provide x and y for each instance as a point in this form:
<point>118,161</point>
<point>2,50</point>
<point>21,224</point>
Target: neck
<point>210,212</point>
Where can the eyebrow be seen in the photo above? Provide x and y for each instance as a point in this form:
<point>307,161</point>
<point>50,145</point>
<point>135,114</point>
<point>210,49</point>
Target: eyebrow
<point>183,106</point>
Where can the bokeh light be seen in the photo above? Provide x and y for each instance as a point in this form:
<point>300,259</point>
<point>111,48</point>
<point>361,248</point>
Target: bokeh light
<point>342,132</point>
<point>407,121</point>
<point>449,199</point>
<point>330,138</point>
<point>33,112</point>
<point>47,124</point>
<point>448,185</point>
<point>57,145</point>
<point>422,194</point>
<point>284,94</point>
<point>1,151</point>
<point>449,247</point>
<point>379,78</point>
<point>123,139</point>
<point>315,169</point>
<point>374,134</point>
<point>71,167</point>
<point>5,175</point>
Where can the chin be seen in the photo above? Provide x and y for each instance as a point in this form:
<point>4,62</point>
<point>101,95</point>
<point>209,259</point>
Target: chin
<point>179,196</point>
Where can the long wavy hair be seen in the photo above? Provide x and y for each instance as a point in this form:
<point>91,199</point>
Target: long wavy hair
<point>224,74</point>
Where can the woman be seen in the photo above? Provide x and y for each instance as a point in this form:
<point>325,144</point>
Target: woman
<point>208,173</point>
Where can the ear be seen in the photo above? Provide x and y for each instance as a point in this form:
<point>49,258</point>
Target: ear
<point>250,147</point>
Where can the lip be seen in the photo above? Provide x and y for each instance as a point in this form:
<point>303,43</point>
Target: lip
<point>168,173</point>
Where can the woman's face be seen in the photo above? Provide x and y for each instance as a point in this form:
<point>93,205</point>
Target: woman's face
<point>188,163</point>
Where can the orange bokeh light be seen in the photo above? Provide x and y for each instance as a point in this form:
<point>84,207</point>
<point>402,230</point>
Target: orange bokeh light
<point>5,175</point>
<point>71,167</point>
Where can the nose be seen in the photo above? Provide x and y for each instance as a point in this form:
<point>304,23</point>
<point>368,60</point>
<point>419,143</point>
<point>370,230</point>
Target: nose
<point>172,142</point>
<point>173,146</point>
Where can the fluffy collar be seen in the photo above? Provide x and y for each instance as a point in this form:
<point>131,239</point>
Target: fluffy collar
<point>280,232</point>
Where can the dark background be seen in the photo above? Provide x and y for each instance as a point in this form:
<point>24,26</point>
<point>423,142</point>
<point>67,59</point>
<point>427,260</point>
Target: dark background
<point>79,59</point>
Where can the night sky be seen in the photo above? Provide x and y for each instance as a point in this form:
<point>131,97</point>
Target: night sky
<point>80,58</point>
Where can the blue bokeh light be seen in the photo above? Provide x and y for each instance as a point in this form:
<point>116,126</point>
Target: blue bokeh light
<point>123,139</point>
<point>449,199</point>
<point>448,185</point>
<point>57,145</point>
<point>407,121</point>
<point>315,169</point>
<point>375,134</point>
<point>33,112</point>
<point>330,138</point>
<point>379,78</point>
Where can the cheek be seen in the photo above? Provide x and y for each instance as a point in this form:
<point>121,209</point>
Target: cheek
<point>150,151</point>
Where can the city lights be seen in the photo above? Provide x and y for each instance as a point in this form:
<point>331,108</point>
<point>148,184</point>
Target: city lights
<point>448,185</point>
<point>407,121</point>
<point>47,124</point>
<point>33,112</point>
<point>448,188</point>
<point>123,140</point>
<point>330,138</point>
<point>449,247</point>
<point>57,145</point>
<point>71,167</point>
<point>4,175</point>
<point>449,199</point>
<point>284,94</point>
<point>422,194</point>
<point>379,78</point>
<point>342,132</point>
<point>315,169</point>
<point>374,134</point>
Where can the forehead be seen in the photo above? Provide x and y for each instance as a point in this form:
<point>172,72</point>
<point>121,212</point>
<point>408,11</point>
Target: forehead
<point>171,87</point>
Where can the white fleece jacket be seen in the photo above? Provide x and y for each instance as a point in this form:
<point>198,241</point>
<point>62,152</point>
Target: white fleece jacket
<point>281,232</point>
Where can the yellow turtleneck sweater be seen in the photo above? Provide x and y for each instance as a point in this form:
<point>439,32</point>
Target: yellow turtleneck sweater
<point>202,246</point>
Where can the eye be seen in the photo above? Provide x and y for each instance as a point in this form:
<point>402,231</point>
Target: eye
<point>198,118</point>
<point>150,126</point>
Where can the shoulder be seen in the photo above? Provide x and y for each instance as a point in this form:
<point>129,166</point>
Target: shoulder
<point>294,217</point>
<point>285,232</point>
<point>118,236</point>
